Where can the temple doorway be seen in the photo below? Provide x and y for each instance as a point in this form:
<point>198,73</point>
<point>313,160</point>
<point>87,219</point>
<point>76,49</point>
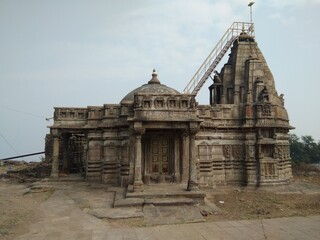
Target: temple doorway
<point>159,157</point>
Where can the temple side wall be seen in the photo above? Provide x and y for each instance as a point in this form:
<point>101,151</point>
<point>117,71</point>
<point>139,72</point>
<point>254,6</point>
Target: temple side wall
<point>231,151</point>
<point>236,158</point>
<point>222,158</point>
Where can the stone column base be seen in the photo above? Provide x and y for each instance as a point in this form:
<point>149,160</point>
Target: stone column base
<point>192,186</point>
<point>54,175</point>
<point>138,186</point>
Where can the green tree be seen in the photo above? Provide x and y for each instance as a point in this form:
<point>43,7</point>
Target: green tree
<point>296,149</point>
<point>305,150</point>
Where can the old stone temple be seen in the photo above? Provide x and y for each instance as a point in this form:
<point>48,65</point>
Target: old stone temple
<point>158,135</point>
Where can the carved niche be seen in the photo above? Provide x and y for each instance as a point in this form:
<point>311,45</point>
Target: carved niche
<point>250,151</point>
<point>269,169</point>
<point>238,151</point>
<point>137,102</point>
<point>264,95</point>
<point>146,103</point>
<point>172,103</point>
<point>266,110</point>
<point>278,152</point>
<point>159,103</point>
<point>282,152</point>
<point>227,149</point>
<point>184,103</point>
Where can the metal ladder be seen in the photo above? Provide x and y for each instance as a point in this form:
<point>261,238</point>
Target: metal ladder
<point>215,56</point>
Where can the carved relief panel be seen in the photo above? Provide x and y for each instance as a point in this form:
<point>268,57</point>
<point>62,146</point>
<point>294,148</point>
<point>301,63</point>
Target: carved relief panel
<point>234,151</point>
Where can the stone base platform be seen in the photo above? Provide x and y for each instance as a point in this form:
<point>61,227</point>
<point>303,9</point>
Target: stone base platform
<point>159,195</point>
<point>160,204</point>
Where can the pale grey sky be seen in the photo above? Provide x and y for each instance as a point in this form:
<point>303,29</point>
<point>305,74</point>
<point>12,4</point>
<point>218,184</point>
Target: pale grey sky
<point>76,53</point>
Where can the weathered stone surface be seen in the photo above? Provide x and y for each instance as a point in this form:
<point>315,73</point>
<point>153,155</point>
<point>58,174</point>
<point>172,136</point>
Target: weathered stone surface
<point>162,215</point>
<point>169,201</point>
<point>128,202</point>
<point>117,213</point>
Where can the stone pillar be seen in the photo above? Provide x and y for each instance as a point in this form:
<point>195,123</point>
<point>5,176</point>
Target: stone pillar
<point>193,179</point>
<point>177,175</point>
<point>55,157</point>
<point>65,149</point>
<point>94,157</point>
<point>131,154</point>
<point>211,89</point>
<point>137,184</point>
<point>250,173</point>
<point>236,99</point>
<point>185,157</point>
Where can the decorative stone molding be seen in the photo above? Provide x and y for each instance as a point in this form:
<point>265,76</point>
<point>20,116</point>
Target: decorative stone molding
<point>164,101</point>
<point>70,114</point>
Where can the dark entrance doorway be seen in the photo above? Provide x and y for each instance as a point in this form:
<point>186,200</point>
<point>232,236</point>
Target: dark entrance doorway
<point>72,153</point>
<point>159,157</point>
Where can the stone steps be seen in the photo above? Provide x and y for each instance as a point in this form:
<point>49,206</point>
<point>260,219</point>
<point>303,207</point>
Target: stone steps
<point>169,201</point>
<point>163,195</point>
<point>139,202</point>
<point>197,197</point>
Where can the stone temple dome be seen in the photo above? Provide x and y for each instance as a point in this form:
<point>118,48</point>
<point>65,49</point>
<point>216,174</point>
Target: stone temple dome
<point>153,87</point>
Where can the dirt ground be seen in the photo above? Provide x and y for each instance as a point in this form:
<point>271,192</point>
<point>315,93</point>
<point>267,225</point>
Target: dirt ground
<point>19,208</point>
<point>252,204</point>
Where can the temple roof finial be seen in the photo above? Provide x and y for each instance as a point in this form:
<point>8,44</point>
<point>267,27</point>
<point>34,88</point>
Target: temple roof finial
<point>154,79</point>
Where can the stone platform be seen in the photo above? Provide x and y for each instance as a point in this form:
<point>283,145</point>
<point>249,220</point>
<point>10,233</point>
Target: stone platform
<point>155,205</point>
<point>159,195</point>
<point>161,204</point>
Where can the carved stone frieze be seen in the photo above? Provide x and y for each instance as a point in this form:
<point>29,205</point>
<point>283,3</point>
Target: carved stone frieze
<point>282,151</point>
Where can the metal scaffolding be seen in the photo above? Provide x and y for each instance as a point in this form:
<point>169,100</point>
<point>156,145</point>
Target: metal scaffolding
<point>215,56</point>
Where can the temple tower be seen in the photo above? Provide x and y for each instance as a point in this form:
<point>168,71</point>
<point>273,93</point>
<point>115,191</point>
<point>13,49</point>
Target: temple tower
<point>246,84</point>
